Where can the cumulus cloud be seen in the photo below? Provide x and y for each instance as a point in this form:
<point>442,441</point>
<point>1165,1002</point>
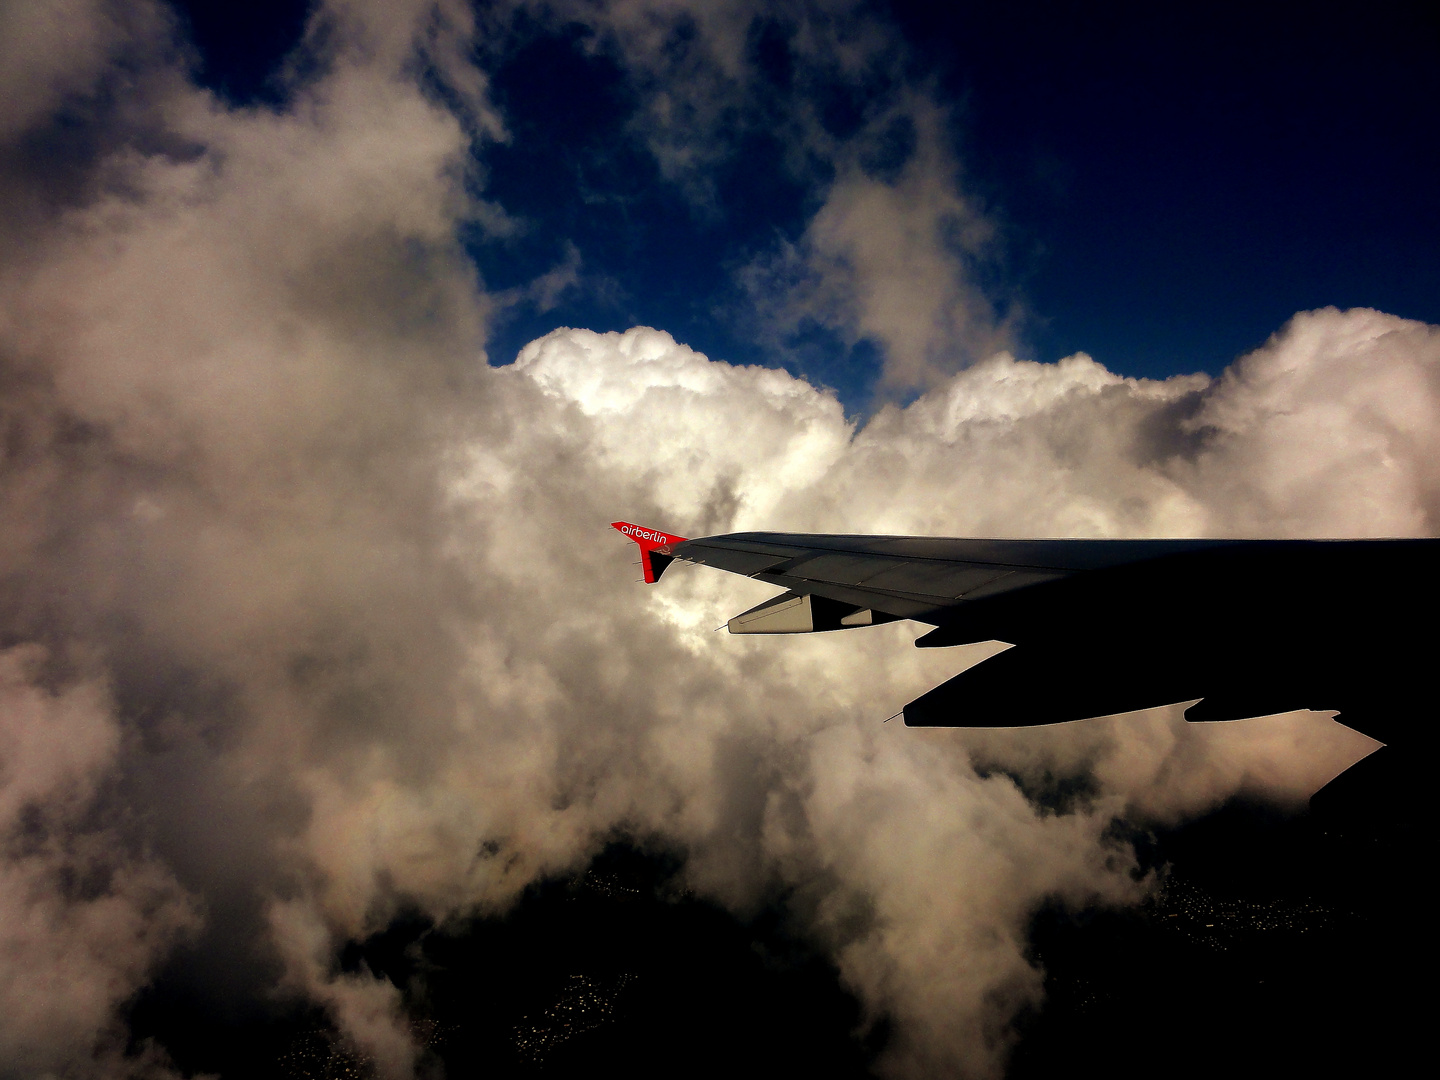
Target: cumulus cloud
<point>311,615</point>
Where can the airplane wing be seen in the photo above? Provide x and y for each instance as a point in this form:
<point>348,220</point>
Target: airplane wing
<point>1252,627</point>
<point>907,577</point>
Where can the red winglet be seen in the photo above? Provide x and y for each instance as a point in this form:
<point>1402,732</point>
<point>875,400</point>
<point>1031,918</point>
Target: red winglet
<point>650,540</point>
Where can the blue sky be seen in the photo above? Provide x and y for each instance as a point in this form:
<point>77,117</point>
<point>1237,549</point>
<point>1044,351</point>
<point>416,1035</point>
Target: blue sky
<point>1161,189</point>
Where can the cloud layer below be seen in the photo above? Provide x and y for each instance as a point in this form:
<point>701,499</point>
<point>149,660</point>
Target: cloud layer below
<point>309,614</point>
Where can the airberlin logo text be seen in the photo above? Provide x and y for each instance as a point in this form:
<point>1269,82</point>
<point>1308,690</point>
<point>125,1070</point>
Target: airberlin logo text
<point>645,534</point>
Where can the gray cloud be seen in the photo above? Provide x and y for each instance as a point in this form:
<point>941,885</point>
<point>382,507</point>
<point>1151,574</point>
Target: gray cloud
<point>311,615</point>
<point>85,914</point>
<point>58,52</point>
<point>891,260</point>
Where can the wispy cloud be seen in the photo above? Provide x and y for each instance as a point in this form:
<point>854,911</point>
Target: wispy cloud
<point>894,254</point>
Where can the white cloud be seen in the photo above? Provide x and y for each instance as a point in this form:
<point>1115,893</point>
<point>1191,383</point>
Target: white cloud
<point>1335,423</point>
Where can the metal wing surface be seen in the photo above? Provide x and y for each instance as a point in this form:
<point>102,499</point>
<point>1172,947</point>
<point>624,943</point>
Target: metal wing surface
<point>1249,627</point>
<point>914,577</point>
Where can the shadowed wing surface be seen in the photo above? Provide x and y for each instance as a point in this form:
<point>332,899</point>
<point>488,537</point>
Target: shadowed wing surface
<point>1253,627</point>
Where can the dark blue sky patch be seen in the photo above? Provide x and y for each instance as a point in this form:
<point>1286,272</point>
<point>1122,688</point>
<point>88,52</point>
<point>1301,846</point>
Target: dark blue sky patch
<point>1167,185</point>
<point>1177,181</point>
<point>575,172</point>
<point>243,46</point>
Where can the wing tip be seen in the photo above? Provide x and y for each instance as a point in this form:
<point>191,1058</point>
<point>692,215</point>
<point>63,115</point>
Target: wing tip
<point>654,547</point>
